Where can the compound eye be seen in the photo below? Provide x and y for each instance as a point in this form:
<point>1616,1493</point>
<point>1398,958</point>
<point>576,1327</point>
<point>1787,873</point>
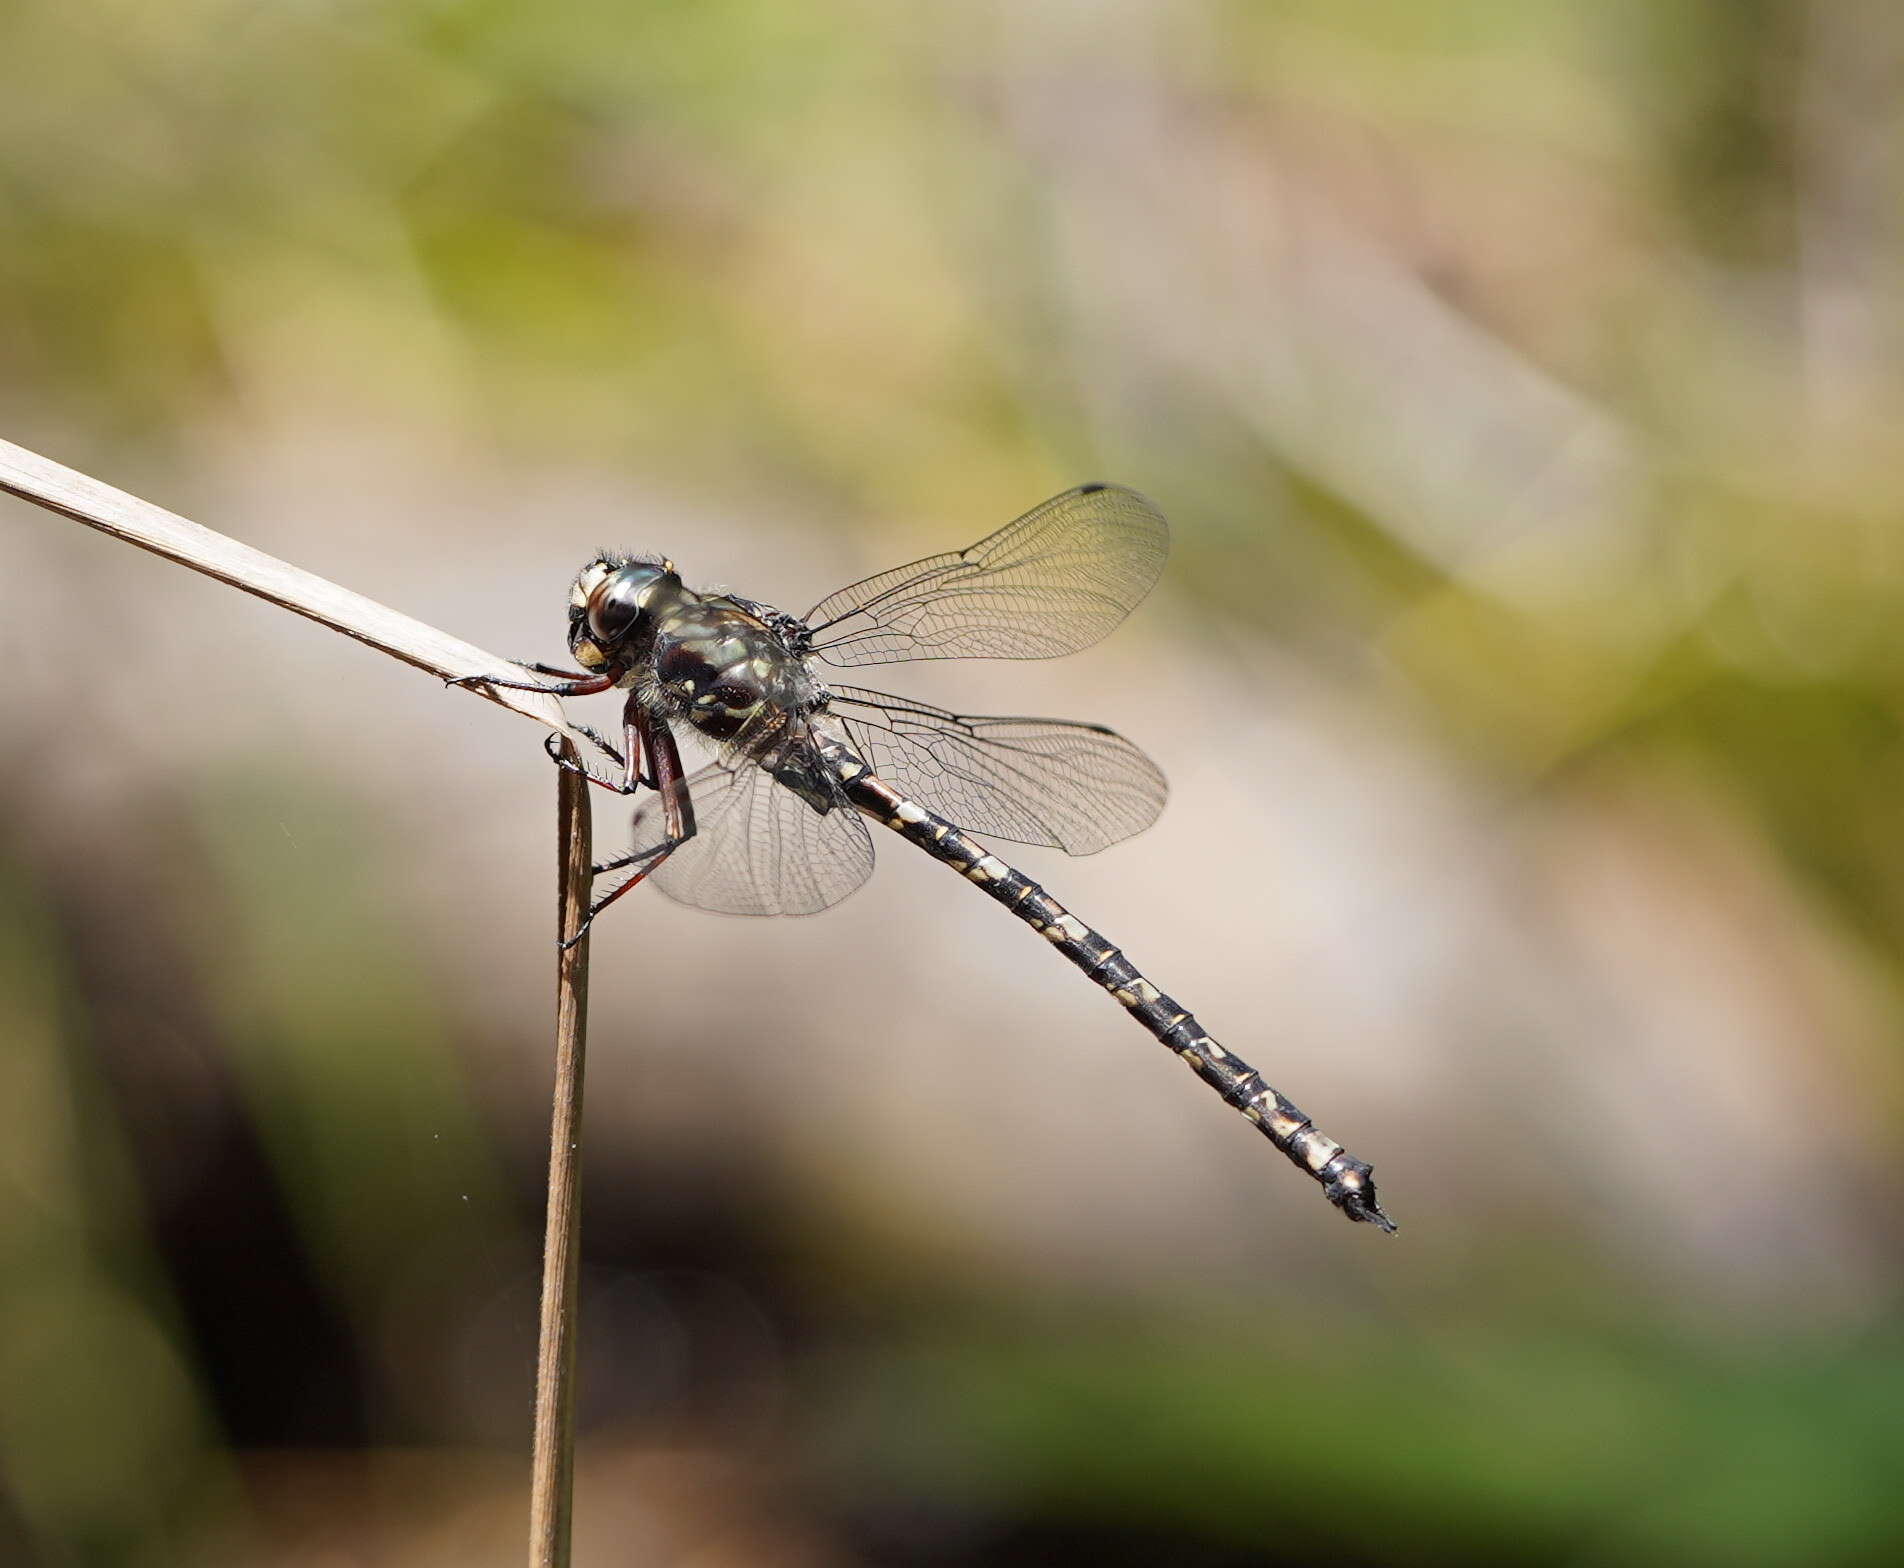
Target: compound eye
<point>615,608</point>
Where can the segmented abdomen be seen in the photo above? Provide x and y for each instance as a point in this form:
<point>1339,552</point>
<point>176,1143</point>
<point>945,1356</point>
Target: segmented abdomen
<point>1347,1182</point>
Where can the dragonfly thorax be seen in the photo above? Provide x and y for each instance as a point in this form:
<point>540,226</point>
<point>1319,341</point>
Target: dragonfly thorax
<point>724,671</point>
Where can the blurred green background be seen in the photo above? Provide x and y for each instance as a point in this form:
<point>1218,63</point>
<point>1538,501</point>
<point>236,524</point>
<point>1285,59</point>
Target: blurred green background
<point>1523,382</point>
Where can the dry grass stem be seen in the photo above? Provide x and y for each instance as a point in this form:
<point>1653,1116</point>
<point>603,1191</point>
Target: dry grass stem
<point>552,1490</point>
<point>85,500</point>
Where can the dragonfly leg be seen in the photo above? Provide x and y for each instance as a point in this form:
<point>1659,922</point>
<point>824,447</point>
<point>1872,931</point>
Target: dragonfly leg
<point>628,759</point>
<point>638,741</point>
<point>571,684</point>
<point>601,743</point>
<point>650,737</point>
<point>634,857</point>
<point>614,783</point>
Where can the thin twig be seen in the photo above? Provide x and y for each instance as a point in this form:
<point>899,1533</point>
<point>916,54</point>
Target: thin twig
<point>553,1465</point>
<point>85,500</point>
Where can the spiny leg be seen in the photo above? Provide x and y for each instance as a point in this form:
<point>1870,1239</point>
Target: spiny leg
<point>571,683</point>
<point>553,745</point>
<point>601,743</point>
<point>627,779</point>
<point>654,854</point>
<point>642,736</point>
<point>628,759</point>
<point>650,737</point>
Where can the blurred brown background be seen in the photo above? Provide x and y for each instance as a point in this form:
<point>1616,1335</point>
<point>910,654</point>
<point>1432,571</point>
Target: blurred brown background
<point>1523,383</point>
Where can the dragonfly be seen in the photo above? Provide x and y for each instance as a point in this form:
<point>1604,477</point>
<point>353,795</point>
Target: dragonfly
<point>777,823</point>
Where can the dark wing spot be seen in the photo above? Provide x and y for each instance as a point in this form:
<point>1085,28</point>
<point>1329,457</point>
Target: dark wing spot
<point>1092,488</point>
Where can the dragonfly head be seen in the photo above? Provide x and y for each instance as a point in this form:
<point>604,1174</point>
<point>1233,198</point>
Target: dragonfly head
<point>612,608</point>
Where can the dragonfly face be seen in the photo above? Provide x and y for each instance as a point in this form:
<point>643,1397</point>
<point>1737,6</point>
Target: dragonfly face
<point>612,611</point>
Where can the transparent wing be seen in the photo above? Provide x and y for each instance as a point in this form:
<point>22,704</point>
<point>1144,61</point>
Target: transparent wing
<point>758,848</point>
<point>1075,787</point>
<point>1053,582</point>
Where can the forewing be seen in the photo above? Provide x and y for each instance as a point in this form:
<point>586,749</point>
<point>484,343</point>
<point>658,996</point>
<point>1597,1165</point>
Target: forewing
<point>758,848</point>
<point>1055,581</point>
<point>1075,787</point>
